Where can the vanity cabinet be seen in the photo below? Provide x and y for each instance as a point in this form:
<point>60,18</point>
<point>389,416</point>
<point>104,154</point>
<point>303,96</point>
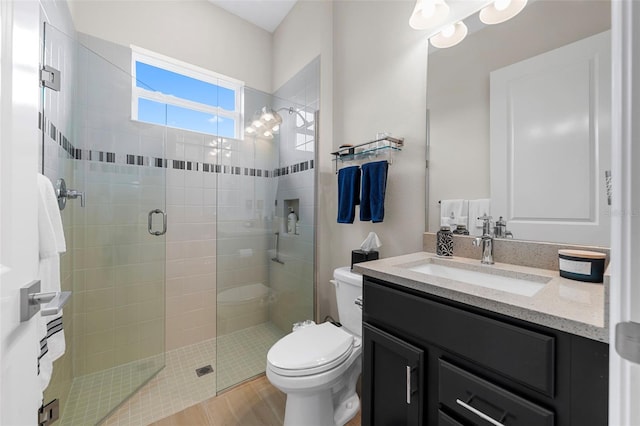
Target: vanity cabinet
<point>432,361</point>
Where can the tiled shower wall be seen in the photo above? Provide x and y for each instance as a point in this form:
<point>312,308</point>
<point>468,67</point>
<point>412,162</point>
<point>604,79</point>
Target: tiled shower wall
<point>209,181</point>
<point>191,242</point>
<point>119,268</point>
<point>293,282</point>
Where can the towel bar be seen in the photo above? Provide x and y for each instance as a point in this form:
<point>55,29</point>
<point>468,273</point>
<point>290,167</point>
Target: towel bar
<point>368,150</point>
<point>31,299</point>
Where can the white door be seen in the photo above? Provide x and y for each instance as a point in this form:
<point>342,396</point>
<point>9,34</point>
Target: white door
<point>551,143</point>
<point>624,376</point>
<point>19,91</point>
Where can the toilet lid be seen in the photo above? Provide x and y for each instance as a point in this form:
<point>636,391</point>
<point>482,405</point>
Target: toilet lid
<point>310,350</point>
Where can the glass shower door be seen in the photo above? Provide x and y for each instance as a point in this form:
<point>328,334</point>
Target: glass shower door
<point>116,241</point>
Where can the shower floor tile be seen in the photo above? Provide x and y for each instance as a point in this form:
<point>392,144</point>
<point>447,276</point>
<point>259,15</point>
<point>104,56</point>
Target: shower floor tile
<point>241,355</point>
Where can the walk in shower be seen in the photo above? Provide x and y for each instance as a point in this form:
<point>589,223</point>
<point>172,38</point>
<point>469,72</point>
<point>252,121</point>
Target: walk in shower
<point>160,321</point>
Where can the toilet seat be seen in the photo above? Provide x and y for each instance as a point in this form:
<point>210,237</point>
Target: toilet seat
<point>310,350</point>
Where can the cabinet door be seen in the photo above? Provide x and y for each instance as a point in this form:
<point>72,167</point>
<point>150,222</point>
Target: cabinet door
<point>392,380</point>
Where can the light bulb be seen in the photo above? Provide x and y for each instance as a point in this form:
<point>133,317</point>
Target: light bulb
<point>267,134</point>
<point>257,124</point>
<point>267,116</point>
<point>428,13</point>
<point>501,10</point>
<point>501,4</point>
<point>276,128</point>
<point>448,31</point>
<point>249,130</point>
<point>428,10</point>
<point>449,36</point>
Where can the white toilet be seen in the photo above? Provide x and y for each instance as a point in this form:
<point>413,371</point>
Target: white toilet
<point>317,366</point>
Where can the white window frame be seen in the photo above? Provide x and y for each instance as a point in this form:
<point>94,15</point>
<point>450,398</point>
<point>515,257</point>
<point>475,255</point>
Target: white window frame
<point>139,54</point>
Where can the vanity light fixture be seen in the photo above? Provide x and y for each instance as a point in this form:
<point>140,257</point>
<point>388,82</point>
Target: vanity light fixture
<point>265,123</point>
<point>501,10</point>
<point>428,13</point>
<point>450,35</point>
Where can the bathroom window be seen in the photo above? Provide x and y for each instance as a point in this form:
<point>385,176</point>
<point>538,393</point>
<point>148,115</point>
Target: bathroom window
<point>169,92</point>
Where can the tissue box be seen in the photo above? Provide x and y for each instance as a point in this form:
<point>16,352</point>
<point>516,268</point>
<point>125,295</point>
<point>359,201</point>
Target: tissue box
<point>358,256</point>
<point>582,265</point>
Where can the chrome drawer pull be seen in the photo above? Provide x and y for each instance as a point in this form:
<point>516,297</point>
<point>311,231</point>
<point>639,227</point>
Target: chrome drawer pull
<point>479,413</point>
<point>408,385</point>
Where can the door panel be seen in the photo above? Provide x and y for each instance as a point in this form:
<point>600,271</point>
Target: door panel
<point>20,394</point>
<point>548,180</point>
<point>116,325</point>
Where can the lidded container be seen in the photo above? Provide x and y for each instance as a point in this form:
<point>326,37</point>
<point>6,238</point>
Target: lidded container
<point>348,289</point>
<point>582,265</point>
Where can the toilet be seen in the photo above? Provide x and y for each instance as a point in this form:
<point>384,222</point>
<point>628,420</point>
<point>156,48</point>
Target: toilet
<point>318,365</point>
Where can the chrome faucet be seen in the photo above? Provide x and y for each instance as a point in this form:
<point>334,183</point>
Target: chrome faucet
<point>486,241</point>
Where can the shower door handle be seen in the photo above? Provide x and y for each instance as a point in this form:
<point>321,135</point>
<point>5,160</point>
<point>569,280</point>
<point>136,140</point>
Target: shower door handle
<point>164,222</point>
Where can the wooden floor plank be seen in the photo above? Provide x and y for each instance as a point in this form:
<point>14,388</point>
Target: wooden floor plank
<point>255,403</point>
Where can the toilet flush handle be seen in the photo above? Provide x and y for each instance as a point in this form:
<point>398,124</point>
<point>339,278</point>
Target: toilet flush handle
<point>359,302</point>
<point>334,282</point>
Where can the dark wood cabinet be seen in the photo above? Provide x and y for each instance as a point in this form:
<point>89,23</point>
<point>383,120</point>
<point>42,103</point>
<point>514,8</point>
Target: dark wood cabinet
<point>468,366</point>
<point>393,374</point>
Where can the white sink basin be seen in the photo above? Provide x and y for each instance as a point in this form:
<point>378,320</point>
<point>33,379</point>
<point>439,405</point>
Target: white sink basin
<point>523,287</point>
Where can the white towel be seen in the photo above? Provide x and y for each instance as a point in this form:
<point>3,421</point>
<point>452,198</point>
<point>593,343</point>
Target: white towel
<point>478,208</point>
<point>453,212</point>
<point>51,245</point>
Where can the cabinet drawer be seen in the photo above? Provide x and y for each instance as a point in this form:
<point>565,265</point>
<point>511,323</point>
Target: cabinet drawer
<point>520,354</point>
<point>476,399</point>
<point>445,420</point>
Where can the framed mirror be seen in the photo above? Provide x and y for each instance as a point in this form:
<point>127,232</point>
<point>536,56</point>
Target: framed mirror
<point>515,118</point>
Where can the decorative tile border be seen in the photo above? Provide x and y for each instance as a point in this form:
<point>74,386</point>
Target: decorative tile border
<point>145,161</point>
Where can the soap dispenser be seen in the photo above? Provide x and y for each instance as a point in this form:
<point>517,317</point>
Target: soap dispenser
<point>291,221</point>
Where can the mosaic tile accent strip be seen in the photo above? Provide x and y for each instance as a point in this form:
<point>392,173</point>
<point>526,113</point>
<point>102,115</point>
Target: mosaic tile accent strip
<point>145,161</point>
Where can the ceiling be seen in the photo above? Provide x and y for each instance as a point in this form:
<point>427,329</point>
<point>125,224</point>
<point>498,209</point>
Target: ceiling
<point>266,14</point>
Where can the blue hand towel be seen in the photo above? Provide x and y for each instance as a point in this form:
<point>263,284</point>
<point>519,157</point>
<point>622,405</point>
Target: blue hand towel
<point>374,185</point>
<point>348,193</point>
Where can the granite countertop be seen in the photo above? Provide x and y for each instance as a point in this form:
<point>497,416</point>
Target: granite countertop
<point>571,306</point>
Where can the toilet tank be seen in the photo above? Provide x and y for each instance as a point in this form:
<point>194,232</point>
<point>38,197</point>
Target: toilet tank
<point>348,288</point>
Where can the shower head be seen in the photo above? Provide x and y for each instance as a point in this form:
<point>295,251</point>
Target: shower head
<point>292,111</point>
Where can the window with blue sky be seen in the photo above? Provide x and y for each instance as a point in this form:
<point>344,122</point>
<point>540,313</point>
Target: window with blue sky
<point>176,94</point>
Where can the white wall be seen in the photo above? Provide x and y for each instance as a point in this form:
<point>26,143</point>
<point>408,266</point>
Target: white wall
<point>379,85</point>
<point>193,31</point>
<point>377,82</point>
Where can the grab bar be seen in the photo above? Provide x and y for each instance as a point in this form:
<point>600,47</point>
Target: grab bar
<point>277,258</point>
